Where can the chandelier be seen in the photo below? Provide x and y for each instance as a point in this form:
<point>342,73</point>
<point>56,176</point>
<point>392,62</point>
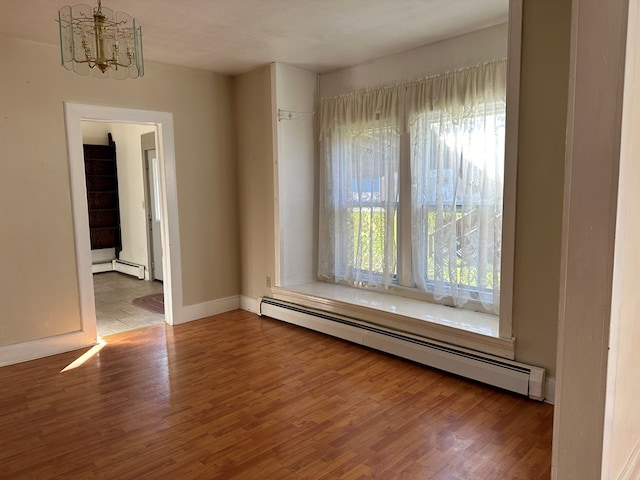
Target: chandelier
<point>100,41</point>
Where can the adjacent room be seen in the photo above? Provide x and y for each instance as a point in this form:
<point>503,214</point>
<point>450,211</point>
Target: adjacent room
<point>123,204</point>
<point>334,239</point>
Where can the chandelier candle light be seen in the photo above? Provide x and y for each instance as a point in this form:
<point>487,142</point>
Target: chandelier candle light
<point>100,41</point>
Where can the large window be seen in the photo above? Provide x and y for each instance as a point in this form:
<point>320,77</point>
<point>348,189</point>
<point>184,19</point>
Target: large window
<point>412,185</point>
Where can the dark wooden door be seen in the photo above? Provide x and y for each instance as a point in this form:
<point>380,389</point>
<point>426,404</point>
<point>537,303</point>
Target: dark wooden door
<point>102,196</point>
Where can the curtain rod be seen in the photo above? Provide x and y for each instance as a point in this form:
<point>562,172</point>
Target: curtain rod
<point>415,81</point>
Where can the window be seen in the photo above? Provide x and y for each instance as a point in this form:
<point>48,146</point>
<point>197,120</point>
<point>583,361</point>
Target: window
<point>362,196</point>
<point>457,176</point>
<point>434,149</point>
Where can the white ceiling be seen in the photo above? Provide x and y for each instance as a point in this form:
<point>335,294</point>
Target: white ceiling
<point>234,36</point>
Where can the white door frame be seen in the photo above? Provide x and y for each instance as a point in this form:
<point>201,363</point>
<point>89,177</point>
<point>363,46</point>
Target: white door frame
<point>75,114</point>
<point>154,218</point>
<point>148,200</point>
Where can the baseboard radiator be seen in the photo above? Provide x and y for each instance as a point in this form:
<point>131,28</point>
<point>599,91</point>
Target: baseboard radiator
<point>499,372</point>
<point>118,265</point>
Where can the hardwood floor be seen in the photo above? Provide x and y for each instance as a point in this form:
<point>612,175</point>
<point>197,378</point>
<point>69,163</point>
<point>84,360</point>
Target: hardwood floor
<point>242,396</point>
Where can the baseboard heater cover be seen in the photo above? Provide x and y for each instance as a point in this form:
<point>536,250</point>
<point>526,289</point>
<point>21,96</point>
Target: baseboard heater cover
<point>499,372</point>
<point>129,268</point>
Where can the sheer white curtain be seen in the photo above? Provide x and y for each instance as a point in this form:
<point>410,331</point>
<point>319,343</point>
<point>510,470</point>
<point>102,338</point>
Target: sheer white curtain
<point>455,124</point>
<point>359,144</point>
<point>457,169</point>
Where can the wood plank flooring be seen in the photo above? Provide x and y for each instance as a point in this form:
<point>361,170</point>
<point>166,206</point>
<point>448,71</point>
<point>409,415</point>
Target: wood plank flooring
<point>247,397</point>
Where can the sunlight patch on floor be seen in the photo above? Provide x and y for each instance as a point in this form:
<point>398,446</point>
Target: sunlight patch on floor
<point>85,356</point>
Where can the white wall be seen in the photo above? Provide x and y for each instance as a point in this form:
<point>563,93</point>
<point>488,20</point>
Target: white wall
<point>295,173</point>
<point>131,192</point>
<point>95,133</point>
<point>621,459</point>
<point>254,140</point>
<point>454,53</point>
<point>539,190</point>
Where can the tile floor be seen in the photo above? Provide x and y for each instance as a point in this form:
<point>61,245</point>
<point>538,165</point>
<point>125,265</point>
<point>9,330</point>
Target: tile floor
<point>115,313</point>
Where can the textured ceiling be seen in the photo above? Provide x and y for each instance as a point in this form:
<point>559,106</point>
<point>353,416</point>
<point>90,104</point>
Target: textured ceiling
<point>234,36</point>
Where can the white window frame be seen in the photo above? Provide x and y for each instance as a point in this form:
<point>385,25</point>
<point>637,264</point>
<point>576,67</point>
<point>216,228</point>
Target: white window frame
<point>510,170</point>
<point>405,249</point>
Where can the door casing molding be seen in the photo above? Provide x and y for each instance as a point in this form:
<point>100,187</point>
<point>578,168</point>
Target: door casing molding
<point>75,114</point>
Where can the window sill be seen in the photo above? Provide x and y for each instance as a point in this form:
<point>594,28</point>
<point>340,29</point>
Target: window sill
<point>464,328</point>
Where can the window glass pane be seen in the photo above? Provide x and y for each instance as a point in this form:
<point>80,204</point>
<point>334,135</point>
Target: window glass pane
<point>373,200</point>
<point>362,166</point>
<point>457,185</point>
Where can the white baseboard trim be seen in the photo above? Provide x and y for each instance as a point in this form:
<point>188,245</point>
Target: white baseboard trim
<point>550,390</point>
<point>250,304</point>
<point>121,266</point>
<point>23,352</point>
<point>101,267</point>
<point>631,470</point>
<point>207,309</point>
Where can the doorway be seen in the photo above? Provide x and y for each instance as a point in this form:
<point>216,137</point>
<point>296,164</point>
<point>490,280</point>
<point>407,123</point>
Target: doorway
<point>127,293</point>
<point>170,241</point>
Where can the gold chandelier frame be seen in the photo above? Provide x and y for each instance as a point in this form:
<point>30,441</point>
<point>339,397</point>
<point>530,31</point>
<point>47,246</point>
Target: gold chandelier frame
<point>100,41</point>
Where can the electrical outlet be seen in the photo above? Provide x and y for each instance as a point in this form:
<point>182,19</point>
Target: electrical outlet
<point>268,282</point>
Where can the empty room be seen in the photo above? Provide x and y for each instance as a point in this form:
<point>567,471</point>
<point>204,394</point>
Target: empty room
<point>306,240</point>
